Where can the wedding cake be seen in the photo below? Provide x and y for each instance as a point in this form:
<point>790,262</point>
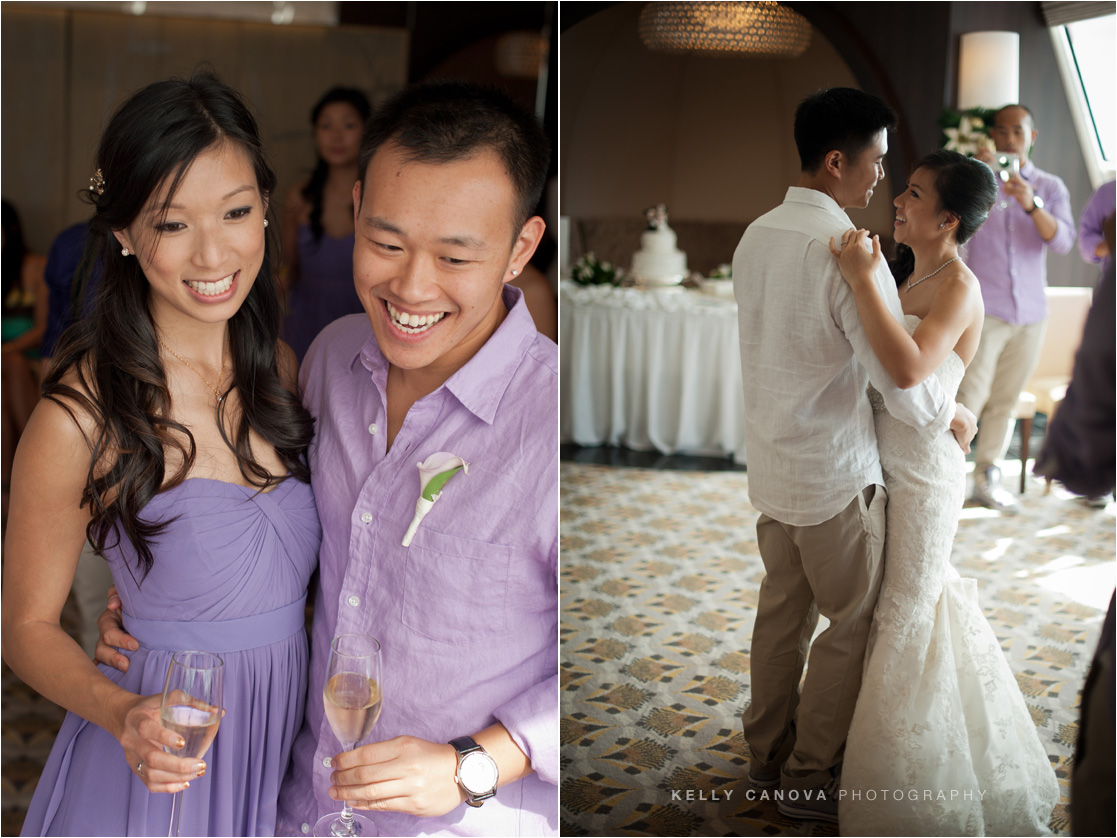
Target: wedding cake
<point>659,260</point>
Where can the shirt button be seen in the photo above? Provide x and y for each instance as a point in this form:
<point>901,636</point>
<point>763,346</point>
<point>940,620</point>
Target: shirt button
<point>366,517</point>
<point>327,762</point>
<point>354,600</point>
<point>372,428</point>
<point>306,829</point>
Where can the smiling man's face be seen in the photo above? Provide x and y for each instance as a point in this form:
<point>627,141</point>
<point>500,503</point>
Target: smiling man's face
<point>861,174</point>
<point>435,243</point>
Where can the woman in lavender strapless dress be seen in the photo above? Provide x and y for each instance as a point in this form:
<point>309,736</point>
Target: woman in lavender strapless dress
<point>172,436</point>
<point>318,222</point>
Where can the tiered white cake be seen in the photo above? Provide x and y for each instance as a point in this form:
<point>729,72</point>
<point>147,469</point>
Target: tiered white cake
<point>659,260</point>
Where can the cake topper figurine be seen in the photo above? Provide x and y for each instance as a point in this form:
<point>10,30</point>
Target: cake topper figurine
<point>657,216</point>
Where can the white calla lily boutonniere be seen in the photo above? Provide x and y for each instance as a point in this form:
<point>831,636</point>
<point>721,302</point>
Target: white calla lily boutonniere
<point>434,473</point>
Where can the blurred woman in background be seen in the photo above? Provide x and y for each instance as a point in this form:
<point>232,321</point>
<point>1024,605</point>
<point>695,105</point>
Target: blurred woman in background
<point>24,321</point>
<point>317,268</point>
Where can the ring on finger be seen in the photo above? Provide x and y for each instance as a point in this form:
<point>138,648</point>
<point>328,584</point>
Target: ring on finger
<point>140,767</point>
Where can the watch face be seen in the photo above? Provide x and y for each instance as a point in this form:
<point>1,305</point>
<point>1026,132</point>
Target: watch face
<point>1038,201</point>
<point>478,773</point>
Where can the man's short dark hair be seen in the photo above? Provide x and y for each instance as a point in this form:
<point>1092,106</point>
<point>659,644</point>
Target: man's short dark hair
<point>1024,108</point>
<point>447,121</point>
<point>838,119</point>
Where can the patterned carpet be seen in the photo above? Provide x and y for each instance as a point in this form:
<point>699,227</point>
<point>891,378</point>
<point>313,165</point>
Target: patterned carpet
<point>660,576</point>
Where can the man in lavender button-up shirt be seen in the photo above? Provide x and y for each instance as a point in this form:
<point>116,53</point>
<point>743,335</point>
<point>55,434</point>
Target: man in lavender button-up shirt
<point>1009,257</point>
<point>1091,234</point>
<point>446,360</point>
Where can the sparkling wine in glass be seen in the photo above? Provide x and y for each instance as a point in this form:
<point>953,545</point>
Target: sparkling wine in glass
<point>351,696</point>
<point>192,698</point>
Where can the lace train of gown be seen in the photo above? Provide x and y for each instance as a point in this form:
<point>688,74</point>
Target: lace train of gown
<point>941,741</point>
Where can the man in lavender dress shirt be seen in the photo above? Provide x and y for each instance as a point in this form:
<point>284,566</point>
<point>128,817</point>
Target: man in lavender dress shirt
<point>1009,257</point>
<point>445,359</point>
<point>1091,227</point>
<point>467,614</point>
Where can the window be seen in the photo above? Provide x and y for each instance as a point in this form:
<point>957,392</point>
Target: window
<point>1087,55</point>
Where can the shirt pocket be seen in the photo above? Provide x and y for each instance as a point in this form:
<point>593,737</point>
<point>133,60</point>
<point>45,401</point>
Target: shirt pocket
<point>455,587</point>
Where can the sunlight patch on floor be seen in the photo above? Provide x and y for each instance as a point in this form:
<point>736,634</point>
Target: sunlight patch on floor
<point>1088,585</point>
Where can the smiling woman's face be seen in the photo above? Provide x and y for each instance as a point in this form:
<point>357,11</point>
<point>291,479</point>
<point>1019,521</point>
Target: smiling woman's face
<point>918,215</point>
<point>201,258</point>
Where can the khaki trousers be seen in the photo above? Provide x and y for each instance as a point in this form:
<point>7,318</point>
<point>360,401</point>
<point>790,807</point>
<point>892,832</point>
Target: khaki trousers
<point>1006,358</point>
<point>834,568</point>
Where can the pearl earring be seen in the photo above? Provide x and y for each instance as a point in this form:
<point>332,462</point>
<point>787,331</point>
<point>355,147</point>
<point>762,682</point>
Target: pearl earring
<point>515,272</point>
<point>124,252</point>
<point>265,222</point>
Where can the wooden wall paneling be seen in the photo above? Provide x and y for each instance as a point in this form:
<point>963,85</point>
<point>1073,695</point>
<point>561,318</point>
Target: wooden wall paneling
<point>34,125</point>
<point>66,71</point>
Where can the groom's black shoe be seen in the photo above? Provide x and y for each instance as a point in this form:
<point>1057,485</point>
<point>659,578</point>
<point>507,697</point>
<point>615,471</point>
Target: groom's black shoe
<point>818,804</point>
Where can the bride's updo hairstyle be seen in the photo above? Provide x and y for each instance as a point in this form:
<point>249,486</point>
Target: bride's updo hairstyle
<point>965,187</point>
<point>107,365</point>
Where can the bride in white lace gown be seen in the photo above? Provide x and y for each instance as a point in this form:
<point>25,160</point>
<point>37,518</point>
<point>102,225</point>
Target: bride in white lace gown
<point>941,741</point>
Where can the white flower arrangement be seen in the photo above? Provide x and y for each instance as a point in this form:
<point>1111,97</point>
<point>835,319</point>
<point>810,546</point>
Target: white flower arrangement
<point>967,132</point>
<point>969,137</point>
<point>589,271</point>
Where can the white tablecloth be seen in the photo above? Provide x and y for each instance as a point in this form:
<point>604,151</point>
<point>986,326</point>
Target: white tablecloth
<point>651,370</point>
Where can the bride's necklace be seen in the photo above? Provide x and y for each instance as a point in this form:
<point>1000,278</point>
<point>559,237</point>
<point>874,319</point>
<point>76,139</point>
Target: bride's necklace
<point>931,274</point>
<point>220,378</point>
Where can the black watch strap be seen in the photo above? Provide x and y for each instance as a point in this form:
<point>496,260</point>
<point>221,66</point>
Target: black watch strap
<point>466,745</point>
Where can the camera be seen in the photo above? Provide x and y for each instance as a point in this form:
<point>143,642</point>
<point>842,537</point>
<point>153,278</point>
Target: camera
<point>1006,165</point>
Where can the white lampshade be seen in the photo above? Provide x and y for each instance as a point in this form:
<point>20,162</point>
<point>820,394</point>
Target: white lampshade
<point>989,70</point>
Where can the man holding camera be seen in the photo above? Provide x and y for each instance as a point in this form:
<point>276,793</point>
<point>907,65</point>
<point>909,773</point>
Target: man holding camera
<point>1009,257</point>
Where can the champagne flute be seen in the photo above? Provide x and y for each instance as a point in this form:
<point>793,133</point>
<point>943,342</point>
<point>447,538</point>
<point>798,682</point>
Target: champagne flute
<point>351,696</point>
<point>192,697</point>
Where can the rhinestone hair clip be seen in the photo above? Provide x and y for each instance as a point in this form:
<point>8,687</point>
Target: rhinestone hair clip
<point>97,183</point>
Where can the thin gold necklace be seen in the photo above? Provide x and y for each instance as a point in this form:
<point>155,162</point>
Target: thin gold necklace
<point>216,391</point>
<point>932,273</point>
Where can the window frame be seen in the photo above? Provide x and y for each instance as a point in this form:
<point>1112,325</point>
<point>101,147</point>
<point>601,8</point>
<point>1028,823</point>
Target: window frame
<point>1100,169</point>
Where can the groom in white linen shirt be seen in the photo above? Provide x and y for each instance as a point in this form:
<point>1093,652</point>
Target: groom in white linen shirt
<point>814,471</point>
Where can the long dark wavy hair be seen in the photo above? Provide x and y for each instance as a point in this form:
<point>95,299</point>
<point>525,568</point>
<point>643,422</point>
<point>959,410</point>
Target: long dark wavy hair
<point>314,188</point>
<point>966,187</point>
<point>151,141</point>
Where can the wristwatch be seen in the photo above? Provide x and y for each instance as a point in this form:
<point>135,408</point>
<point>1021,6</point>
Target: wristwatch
<point>476,773</point>
<point>1037,203</point>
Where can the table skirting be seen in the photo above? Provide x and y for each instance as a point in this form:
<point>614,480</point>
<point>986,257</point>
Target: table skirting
<point>651,370</point>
